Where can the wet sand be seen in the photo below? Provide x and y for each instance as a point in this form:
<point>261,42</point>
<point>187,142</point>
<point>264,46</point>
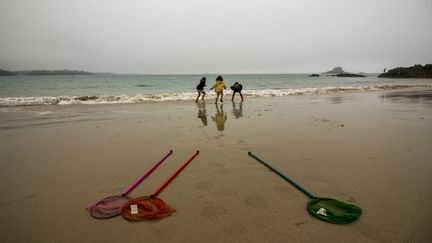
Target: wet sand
<point>370,149</point>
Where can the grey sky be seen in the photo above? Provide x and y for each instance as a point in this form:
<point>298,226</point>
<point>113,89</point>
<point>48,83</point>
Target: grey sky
<point>217,36</point>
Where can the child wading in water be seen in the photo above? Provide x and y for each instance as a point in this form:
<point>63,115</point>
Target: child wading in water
<point>237,88</point>
<point>219,86</point>
<point>200,89</point>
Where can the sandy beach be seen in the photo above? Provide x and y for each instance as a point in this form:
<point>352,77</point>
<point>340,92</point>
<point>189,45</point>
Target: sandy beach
<point>370,149</point>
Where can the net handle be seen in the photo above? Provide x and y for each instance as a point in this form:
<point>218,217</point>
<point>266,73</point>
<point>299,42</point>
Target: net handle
<point>174,174</point>
<point>147,173</point>
<point>295,184</point>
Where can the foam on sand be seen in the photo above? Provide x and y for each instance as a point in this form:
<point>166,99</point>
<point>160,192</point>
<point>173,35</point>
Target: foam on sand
<point>130,99</point>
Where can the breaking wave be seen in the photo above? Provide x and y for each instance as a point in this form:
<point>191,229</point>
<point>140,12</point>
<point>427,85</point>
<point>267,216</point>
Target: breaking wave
<point>129,99</point>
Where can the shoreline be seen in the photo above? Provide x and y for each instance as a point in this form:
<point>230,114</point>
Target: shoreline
<point>188,96</point>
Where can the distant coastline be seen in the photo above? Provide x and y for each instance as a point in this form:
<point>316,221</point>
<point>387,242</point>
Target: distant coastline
<point>44,72</point>
<point>6,73</point>
<point>416,71</point>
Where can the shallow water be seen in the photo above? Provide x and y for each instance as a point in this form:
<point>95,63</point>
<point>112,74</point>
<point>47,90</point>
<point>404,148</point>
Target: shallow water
<point>116,88</point>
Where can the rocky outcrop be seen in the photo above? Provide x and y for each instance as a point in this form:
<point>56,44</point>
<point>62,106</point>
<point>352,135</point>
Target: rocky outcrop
<point>350,75</point>
<point>339,72</point>
<point>314,75</point>
<point>416,71</point>
<point>335,70</point>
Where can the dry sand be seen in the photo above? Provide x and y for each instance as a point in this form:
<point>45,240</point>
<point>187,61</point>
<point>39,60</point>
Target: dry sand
<point>370,149</point>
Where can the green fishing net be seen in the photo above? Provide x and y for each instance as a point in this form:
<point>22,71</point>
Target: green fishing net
<point>333,211</point>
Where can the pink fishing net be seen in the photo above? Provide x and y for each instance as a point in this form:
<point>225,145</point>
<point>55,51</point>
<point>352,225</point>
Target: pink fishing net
<point>108,207</point>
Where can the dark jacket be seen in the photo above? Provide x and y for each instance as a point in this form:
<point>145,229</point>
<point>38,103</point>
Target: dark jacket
<point>237,87</point>
<point>201,85</point>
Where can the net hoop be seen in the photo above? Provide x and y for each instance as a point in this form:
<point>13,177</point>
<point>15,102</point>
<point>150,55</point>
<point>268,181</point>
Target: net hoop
<point>108,207</point>
<point>148,208</point>
<point>335,211</point>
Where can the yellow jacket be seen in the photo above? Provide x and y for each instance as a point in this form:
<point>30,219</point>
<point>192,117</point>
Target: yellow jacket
<point>219,86</point>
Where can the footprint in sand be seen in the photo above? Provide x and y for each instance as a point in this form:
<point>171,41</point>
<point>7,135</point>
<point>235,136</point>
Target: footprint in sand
<point>255,201</point>
<point>205,186</point>
<point>315,178</point>
<point>282,188</point>
<point>262,222</point>
<point>348,198</point>
<point>217,165</point>
<point>192,171</point>
<point>223,172</point>
<point>227,193</point>
<point>221,145</point>
<point>255,168</point>
<point>213,212</point>
<point>235,228</point>
<point>309,159</point>
<point>114,189</point>
<point>20,199</point>
<point>370,232</point>
<point>300,223</point>
<point>166,232</point>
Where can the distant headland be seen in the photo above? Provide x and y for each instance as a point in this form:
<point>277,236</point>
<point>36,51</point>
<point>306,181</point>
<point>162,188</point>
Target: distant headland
<point>6,73</point>
<point>416,71</point>
<point>44,72</point>
<point>335,71</point>
<point>339,72</point>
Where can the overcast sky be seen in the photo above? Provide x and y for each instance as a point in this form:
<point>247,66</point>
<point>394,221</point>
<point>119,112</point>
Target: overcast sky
<point>215,36</point>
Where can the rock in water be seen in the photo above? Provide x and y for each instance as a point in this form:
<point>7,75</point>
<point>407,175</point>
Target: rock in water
<point>416,71</point>
<point>349,75</point>
<point>335,70</point>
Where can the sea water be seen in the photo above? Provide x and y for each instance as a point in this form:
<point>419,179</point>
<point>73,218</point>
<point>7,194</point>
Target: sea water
<point>128,88</point>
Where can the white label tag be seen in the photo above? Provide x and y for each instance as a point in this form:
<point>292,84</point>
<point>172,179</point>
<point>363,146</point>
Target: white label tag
<point>322,212</point>
<point>134,209</point>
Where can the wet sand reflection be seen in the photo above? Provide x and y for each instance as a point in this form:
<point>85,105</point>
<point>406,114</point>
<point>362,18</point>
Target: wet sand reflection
<point>237,109</point>
<point>202,112</point>
<point>414,96</point>
<point>220,118</point>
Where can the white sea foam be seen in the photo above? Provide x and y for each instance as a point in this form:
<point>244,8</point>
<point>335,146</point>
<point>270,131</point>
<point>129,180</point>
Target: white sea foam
<point>43,113</point>
<point>128,99</point>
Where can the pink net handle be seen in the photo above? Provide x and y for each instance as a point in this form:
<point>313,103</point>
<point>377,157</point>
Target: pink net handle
<point>147,173</point>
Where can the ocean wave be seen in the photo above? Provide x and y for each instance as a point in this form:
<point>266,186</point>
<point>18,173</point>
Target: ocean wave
<point>129,99</point>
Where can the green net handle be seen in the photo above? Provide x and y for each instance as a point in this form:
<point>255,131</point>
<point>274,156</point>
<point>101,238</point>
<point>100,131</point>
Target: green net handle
<point>309,194</point>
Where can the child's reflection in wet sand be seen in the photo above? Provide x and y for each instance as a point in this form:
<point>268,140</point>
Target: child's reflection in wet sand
<point>237,109</point>
<point>220,118</point>
<point>202,112</point>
